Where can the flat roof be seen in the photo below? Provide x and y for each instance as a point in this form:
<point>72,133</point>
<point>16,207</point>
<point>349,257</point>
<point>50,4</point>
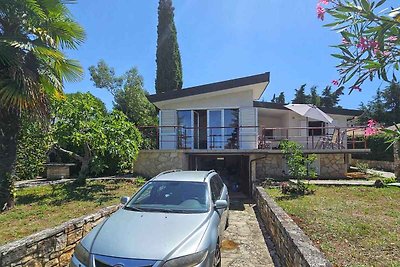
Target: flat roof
<point>211,87</point>
<point>336,111</point>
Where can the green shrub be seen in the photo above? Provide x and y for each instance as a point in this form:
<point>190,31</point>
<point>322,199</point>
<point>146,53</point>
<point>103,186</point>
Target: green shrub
<point>379,146</point>
<point>299,167</point>
<point>296,189</point>
<point>389,180</point>
<point>140,181</point>
<point>33,143</point>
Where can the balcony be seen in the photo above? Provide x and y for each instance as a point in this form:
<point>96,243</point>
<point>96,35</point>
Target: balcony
<point>254,138</point>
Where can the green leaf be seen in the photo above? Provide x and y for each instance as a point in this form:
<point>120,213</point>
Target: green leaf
<point>341,57</point>
<point>371,64</point>
<point>365,5</point>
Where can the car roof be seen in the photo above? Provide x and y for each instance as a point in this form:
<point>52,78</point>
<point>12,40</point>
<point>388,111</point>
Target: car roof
<point>187,176</point>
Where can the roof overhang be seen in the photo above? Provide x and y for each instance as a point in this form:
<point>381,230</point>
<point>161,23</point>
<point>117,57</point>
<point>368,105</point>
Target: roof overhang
<point>333,111</point>
<point>256,83</point>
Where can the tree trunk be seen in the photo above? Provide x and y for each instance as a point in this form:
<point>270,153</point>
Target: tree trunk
<point>9,126</point>
<point>396,158</point>
<point>85,161</point>
<point>83,172</point>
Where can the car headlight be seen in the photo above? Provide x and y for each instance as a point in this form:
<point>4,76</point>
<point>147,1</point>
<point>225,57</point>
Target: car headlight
<point>82,254</point>
<point>187,261</point>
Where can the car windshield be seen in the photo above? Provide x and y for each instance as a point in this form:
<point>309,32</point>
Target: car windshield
<point>171,196</point>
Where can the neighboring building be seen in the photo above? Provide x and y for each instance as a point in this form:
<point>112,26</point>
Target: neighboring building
<point>223,126</point>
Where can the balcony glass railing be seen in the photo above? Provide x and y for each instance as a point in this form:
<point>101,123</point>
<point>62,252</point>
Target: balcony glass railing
<point>252,137</point>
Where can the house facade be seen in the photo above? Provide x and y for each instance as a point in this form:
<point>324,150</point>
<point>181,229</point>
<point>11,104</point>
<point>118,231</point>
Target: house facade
<point>224,126</point>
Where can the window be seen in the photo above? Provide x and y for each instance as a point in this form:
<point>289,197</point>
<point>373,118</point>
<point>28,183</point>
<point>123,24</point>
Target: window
<point>268,133</point>
<point>231,128</point>
<point>185,132</point>
<point>216,187</point>
<point>318,128</point>
<point>223,129</point>
<point>171,196</point>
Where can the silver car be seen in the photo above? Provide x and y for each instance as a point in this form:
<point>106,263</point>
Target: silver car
<point>175,219</point>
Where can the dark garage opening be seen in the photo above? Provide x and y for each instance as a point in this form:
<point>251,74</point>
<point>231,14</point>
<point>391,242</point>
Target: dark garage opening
<point>234,170</point>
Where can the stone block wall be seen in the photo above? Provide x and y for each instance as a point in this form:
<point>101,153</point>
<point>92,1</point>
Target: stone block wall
<point>57,172</point>
<point>332,166</point>
<point>374,164</point>
<point>151,162</point>
<point>292,245</point>
<point>273,166</point>
<point>270,167</point>
<point>51,247</point>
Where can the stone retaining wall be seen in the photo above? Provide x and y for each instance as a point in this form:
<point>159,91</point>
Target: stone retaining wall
<point>292,245</point>
<point>51,247</point>
<point>270,166</point>
<point>374,164</point>
<point>332,166</point>
<point>151,162</point>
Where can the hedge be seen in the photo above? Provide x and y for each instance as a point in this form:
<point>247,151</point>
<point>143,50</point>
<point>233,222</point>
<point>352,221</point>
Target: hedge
<point>380,149</point>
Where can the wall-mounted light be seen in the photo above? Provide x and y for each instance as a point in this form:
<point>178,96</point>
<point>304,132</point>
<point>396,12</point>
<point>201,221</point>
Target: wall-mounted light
<point>220,158</point>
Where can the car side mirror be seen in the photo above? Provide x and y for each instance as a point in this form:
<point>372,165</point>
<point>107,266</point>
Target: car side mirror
<point>124,200</point>
<point>221,204</point>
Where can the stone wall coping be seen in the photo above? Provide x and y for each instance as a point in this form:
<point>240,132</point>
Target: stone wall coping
<point>42,182</point>
<point>290,233</point>
<point>163,151</point>
<point>58,230</point>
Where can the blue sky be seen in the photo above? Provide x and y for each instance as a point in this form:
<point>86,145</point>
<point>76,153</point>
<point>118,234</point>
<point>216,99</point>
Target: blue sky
<point>218,39</point>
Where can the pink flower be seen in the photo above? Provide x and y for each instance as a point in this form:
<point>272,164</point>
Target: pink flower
<point>371,123</point>
<point>386,53</point>
<point>370,131</point>
<point>320,12</point>
<point>355,87</point>
<point>363,44</point>
<point>345,41</point>
<point>325,2</point>
<point>392,38</point>
<point>371,128</point>
<point>335,82</point>
<point>374,45</point>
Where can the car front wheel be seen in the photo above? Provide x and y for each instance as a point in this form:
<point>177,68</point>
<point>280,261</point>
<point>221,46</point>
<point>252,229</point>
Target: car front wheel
<point>217,256</point>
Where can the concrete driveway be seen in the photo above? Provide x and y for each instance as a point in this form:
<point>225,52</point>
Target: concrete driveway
<point>245,243</point>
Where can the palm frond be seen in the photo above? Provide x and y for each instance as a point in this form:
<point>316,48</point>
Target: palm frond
<point>32,66</point>
<point>35,7</point>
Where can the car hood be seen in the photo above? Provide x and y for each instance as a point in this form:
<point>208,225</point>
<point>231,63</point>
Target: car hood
<point>147,235</point>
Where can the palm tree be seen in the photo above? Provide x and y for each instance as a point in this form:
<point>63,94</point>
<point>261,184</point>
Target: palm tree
<point>32,70</point>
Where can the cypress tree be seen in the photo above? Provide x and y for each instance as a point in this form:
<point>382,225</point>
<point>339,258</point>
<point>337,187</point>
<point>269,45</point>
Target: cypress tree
<point>300,96</point>
<point>281,98</point>
<point>169,66</point>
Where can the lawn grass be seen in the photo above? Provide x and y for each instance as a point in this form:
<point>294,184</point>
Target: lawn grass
<point>353,226</point>
<point>42,207</point>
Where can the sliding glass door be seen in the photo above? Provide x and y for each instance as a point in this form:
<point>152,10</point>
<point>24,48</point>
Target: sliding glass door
<point>185,130</point>
<point>214,129</point>
<point>231,128</point>
<point>223,129</point>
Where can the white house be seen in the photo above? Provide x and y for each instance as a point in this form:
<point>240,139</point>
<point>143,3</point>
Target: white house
<point>224,126</point>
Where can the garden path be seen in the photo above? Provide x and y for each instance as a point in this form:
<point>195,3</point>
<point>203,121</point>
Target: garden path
<point>245,241</point>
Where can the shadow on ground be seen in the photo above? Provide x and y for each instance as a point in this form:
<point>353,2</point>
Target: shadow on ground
<point>63,193</point>
<point>267,238</point>
<point>238,203</point>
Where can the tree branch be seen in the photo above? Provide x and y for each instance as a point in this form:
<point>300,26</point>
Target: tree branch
<point>70,153</point>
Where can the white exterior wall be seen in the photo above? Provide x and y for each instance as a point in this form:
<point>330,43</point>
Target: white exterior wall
<point>168,135</point>
<point>210,101</point>
<point>248,135</point>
